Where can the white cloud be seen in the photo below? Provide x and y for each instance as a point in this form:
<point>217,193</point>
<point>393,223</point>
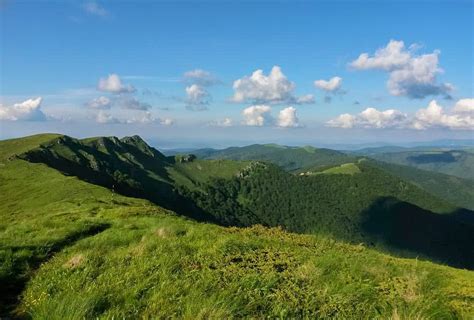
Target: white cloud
<point>260,88</point>
<point>145,117</point>
<point>94,8</point>
<point>105,117</point>
<point>331,85</point>
<point>410,75</point>
<point>28,110</point>
<point>345,121</point>
<point>113,84</point>
<point>464,106</point>
<point>433,116</point>
<point>309,98</point>
<point>201,77</point>
<point>393,56</point>
<point>226,122</point>
<point>258,115</point>
<point>197,98</point>
<point>99,103</point>
<point>287,118</point>
<point>370,118</point>
<point>140,117</point>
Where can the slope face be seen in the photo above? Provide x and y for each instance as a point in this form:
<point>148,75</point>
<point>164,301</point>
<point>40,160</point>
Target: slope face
<point>83,251</point>
<point>458,163</point>
<point>103,255</point>
<point>343,206</point>
<point>13,147</point>
<point>130,167</point>
<point>289,158</point>
<point>458,191</point>
<point>333,202</point>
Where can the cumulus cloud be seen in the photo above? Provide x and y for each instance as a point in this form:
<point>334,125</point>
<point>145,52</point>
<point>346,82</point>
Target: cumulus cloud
<point>112,83</point>
<point>28,110</point>
<point>226,122</point>
<point>332,85</point>
<point>99,103</point>
<point>201,77</point>
<point>370,118</point>
<point>261,115</point>
<point>287,118</point>
<point>410,74</point>
<point>433,116</point>
<point>197,97</point>
<point>259,88</point>
<point>258,115</point>
<point>464,106</point>
<point>94,8</point>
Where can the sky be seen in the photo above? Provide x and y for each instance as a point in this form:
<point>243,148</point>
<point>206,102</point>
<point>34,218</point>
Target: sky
<point>221,73</point>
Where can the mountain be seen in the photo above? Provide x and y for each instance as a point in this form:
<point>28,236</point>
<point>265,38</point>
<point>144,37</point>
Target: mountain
<point>73,249</point>
<point>289,158</point>
<point>332,200</point>
<point>457,162</point>
<point>456,190</point>
<point>130,167</point>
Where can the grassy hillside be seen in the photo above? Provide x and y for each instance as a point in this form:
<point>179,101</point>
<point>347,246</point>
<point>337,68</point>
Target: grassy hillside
<point>346,206</point>
<point>289,158</point>
<point>71,249</point>
<point>457,191</point>
<point>458,163</point>
<point>130,167</point>
<point>339,201</point>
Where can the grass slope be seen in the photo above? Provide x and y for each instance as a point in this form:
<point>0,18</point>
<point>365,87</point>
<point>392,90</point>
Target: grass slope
<point>459,163</point>
<point>289,158</point>
<point>458,191</point>
<point>346,206</point>
<point>341,202</point>
<point>89,253</point>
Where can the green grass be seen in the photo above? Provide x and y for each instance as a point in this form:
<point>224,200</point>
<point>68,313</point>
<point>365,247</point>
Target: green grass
<point>74,250</point>
<point>17,146</point>
<point>289,158</point>
<point>190,174</point>
<point>459,163</point>
<point>346,168</point>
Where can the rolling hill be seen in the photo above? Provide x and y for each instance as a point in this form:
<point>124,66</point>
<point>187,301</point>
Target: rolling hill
<point>289,158</point>
<point>459,163</point>
<point>457,190</point>
<point>73,249</point>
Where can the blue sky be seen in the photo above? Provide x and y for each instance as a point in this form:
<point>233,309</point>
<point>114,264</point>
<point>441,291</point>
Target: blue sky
<point>180,73</point>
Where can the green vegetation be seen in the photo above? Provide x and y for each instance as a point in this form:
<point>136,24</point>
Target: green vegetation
<point>458,191</point>
<point>346,168</point>
<point>289,158</point>
<point>346,207</point>
<point>459,163</point>
<point>72,249</point>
